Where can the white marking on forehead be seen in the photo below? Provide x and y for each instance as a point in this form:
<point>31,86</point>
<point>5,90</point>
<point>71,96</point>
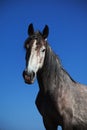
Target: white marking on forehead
<point>32,58</point>
<point>36,58</point>
<point>34,44</point>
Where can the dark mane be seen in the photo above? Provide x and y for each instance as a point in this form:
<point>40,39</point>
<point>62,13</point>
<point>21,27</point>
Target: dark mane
<point>68,75</point>
<point>55,65</point>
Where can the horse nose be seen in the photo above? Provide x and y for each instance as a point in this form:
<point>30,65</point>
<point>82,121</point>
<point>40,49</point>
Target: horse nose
<point>28,76</point>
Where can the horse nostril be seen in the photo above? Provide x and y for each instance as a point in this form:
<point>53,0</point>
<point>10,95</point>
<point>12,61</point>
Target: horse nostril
<point>25,74</point>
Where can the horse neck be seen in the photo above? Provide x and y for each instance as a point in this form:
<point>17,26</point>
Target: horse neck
<point>50,71</point>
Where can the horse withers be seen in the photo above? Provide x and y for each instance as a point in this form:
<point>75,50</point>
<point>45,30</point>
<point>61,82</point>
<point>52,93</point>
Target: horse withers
<point>60,100</point>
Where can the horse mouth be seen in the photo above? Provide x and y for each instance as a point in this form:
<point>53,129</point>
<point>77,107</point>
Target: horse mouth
<point>29,79</point>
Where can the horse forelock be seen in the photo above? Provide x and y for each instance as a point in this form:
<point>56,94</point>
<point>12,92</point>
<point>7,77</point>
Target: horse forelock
<point>36,35</point>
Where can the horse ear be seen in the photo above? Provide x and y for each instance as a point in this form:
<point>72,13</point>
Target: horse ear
<point>45,32</point>
<point>30,29</point>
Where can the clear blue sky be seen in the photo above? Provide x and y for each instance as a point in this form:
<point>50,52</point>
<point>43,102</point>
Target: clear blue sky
<point>67,22</point>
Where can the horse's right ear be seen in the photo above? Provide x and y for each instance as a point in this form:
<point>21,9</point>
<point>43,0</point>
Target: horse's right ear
<point>30,29</point>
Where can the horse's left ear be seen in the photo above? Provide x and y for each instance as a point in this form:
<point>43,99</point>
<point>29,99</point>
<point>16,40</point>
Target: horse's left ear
<point>45,32</point>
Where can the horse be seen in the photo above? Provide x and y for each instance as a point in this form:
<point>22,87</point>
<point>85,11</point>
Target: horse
<point>61,100</point>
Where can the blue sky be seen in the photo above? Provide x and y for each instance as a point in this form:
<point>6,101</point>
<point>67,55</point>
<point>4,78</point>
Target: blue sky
<point>67,23</point>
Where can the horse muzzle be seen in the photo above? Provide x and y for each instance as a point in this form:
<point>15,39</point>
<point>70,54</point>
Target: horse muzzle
<point>29,77</point>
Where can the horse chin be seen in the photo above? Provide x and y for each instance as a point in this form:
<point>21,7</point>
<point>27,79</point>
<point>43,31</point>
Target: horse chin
<point>29,82</point>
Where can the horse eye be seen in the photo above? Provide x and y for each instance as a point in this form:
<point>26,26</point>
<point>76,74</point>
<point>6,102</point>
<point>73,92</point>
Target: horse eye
<point>43,50</point>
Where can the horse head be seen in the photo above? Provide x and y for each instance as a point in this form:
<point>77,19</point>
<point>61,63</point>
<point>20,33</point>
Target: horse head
<point>35,46</point>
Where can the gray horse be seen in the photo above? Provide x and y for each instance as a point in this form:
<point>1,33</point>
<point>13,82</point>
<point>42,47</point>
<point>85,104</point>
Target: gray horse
<point>61,100</point>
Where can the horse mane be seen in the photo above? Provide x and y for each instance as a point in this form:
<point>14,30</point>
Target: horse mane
<point>56,61</point>
<point>68,74</point>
